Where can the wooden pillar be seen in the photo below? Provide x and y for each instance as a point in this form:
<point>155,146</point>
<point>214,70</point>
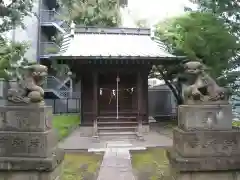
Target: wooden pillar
<point>139,96</point>
<point>145,97</point>
<point>95,95</point>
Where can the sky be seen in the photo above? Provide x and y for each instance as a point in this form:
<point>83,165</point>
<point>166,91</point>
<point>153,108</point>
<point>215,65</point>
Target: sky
<point>153,10</point>
<point>150,10</point>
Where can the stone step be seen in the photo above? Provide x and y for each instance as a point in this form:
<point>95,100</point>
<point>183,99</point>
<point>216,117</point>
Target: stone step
<point>117,131</point>
<point>114,136</point>
<point>114,119</point>
<point>117,122</point>
<point>117,134</point>
<point>118,125</point>
<point>118,128</point>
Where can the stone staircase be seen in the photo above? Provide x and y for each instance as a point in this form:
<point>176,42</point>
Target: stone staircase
<point>111,127</point>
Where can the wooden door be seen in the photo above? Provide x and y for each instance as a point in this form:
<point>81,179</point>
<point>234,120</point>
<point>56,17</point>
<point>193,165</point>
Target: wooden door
<point>107,96</point>
<point>108,93</point>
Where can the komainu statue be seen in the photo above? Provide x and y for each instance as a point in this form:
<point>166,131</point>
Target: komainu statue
<point>199,87</point>
<point>29,88</point>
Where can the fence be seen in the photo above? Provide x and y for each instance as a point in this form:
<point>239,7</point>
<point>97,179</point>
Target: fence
<point>68,105</point>
<point>161,103</point>
<point>236,108</point>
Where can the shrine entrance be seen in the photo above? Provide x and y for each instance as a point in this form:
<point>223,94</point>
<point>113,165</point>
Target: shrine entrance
<point>117,94</point>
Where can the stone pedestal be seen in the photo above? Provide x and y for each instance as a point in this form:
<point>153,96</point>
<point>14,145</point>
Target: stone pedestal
<point>205,117</point>
<point>204,144</point>
<point>28,144</point>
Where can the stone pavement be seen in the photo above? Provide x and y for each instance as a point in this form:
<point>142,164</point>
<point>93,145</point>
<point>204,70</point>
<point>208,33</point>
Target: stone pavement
<point>77,142</point>
<point>116,162</point>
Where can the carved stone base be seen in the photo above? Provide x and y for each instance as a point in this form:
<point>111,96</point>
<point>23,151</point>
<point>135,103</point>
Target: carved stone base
<point>203,163</point>
<point>27,144</point>
<point>32,164</point>
<point>206,143</point>
<point>56,174</point>
<point>221,175</point>
<point>203,155</point>
<point>205,117</point>
<point>25,118</point>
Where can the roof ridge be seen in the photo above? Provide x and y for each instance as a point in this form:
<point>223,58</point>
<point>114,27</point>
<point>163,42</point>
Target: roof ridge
<point>112,30</point>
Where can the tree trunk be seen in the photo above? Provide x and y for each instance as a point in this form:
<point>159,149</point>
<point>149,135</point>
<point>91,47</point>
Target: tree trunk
<point>172,88</point>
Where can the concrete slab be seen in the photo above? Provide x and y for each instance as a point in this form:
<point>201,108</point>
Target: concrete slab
<point>77,142</point>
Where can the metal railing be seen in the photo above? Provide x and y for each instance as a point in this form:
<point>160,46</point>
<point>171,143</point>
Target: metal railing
<point>69,94</point>
<point>60,106</point>
<point>58,87</point>
<point>48,16</point>
<point>56,84</point>
<point>48,48</point>
<point>51,16</point>
<point>65,26</point>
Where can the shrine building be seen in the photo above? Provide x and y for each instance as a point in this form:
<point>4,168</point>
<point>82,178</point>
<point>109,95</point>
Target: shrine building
<point>112,67</point>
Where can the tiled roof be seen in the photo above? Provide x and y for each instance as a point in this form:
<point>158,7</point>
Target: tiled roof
<point>112,42</point>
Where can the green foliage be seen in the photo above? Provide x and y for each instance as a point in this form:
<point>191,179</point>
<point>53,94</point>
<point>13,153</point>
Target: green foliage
<point>12,53</point>
<point>228,10</point>
<point>142,23</point>
<point>200,36</point>
<point>11,58</point>
<point>58,39</point>
<point>104,13</point>
<point>61,71</point>
<point>12,14</point>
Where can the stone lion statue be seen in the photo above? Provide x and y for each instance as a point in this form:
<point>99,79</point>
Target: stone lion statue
<point>199,87</point>
<point>29,87</point>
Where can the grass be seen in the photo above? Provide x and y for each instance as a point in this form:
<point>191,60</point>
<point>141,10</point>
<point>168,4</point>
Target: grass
<point>64,123</point>
<point>81,166</point>
<point>170,124</point>
<point>77,166</point>
<point>151,164</point>
<point>236,123</point>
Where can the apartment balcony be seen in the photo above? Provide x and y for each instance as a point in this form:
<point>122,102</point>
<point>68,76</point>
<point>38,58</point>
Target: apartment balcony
<point>51,4</point>
<point>48,48</point>
<point>52,18</point>
<point>123,3</point>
